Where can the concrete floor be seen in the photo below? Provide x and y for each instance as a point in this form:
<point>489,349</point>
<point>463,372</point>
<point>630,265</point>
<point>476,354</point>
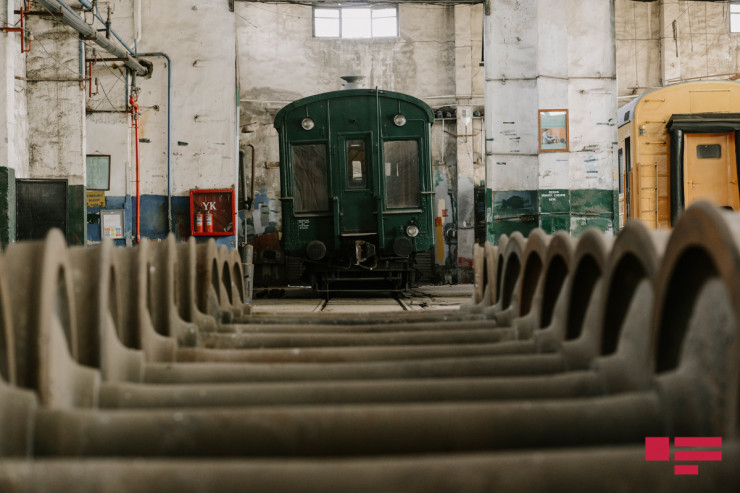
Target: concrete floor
<point>303,300</point>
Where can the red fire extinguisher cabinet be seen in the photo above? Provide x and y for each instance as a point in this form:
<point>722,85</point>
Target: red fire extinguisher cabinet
<point>217,202</point>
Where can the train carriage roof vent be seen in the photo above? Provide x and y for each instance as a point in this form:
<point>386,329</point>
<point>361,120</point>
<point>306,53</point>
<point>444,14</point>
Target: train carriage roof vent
<point>352,81</point>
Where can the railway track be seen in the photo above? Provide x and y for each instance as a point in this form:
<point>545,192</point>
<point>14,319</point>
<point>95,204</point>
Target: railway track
<point>414,300</point>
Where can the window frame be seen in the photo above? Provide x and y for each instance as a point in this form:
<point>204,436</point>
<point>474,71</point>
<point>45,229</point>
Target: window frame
<point>99,164</point>
<point>363,182</point>
<point>734,5</point>
<point>387,206</point>
<point>342,8</point>
<point>327,171</point>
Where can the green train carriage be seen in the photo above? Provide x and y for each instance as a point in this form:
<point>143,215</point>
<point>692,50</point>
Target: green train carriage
<point>356,190</point>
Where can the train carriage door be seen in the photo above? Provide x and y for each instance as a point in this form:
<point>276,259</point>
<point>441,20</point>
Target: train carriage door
<point>710,171</point>
<point>356,171</point>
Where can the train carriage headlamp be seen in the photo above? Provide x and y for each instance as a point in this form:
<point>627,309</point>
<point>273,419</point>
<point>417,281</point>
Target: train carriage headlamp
<point>412,230</point>
<point>307,123</point>
<point>399,120</point>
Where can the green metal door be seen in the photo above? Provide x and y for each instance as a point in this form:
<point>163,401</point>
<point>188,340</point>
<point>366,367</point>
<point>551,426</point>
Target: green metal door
<point>358,205</point>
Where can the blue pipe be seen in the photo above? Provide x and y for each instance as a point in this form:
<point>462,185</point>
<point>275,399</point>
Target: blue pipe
<point>169,133</point>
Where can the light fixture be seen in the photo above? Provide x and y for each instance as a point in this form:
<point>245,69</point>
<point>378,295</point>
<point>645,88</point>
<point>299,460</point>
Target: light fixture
<point>643,129</point>
<point>399,120</point>
<point>412,230</point>
<point>307,123</point>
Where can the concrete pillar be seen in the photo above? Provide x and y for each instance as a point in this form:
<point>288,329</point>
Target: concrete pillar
<point>56,109</point>
<point>512,162</point>
<point>550,55</point>
<point>465,168</point>
<point>7,168</point>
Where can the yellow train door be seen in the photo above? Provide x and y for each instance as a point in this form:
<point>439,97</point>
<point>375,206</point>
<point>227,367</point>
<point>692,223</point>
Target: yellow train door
<point>710,171</point>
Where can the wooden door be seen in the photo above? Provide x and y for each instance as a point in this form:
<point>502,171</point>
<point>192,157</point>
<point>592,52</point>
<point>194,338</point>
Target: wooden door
<point>710,171</point>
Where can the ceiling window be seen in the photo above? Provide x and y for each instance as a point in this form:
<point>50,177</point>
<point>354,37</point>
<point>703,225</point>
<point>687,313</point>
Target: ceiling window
<point>356,22</point>
<point>735,18</point>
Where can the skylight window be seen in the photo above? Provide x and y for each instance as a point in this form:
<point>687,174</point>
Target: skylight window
<point>356,22</point>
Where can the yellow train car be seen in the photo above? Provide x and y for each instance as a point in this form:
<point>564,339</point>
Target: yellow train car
<point>677,145</point>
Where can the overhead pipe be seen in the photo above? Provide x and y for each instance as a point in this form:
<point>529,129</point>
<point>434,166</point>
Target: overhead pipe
<point>70,17</point>
<point>94,11</point>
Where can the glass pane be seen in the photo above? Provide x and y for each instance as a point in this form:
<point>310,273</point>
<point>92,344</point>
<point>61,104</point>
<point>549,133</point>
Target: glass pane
<point>356,165</point>
<point>378,13</point>
<point>385,28</point>
<point>709,151</point>
<point>401,173</point>
<point>326,13</point>
<point>735,19</point>
<point>326,23</point>
<point>310,185</point>
<point>326,28</point>
<point>356,23</point>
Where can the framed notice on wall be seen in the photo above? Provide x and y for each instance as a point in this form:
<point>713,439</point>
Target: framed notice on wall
<point>97,172</point>
<point>212,212</point>
<point>112,224</point>
<point>553,130</point>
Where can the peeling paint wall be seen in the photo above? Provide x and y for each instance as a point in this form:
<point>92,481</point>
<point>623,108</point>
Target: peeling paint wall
<point>659,43</point>
<point>550,55</point>
<point>638,29</point>
<point>200,39</point>
<point>56,117</point>
<point>437,58</point>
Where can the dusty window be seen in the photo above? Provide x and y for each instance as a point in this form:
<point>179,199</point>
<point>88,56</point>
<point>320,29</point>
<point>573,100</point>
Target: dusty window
<point>401,162</point>
<point>359,22</point>
<point>734,18</point>
<point>310,185</point>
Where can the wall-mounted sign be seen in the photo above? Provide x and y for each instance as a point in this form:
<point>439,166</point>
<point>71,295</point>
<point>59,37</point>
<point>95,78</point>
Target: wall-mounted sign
<point>111,224</point>
<point>553,130</point>
<point>95,198</point>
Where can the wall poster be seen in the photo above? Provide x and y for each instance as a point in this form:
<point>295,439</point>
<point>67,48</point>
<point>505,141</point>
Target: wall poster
<point>553,130</point>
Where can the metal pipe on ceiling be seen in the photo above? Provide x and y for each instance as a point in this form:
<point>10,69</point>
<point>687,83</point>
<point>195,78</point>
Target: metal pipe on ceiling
<point>70,17</point>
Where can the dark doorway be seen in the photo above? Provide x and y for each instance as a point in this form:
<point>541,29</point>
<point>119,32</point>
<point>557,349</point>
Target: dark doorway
<point>41,205</point>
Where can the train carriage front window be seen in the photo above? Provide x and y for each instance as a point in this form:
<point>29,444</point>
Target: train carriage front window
<point>401,173</point>
<point>356,165</point>
<point>310,184</point>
